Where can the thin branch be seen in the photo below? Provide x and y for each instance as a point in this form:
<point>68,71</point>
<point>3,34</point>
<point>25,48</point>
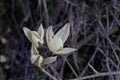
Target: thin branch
<point>92,58</point>
<point>55,72</point>
<point>72,68</point>
<point>97,75</point>
<point>48,73</point>
<point>92,68</point>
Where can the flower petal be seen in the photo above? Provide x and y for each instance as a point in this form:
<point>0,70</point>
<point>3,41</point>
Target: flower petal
<point>55,44</point>
<point>64,32</point>
<point>34,50</point>
<point>36,59</point>
<point>41,32</point>
<point>65,51</point>
<point>27,33</point>
<point>49,60</point>
<point>40,61</point>
<point>35,38</point>
<point>49,34</point>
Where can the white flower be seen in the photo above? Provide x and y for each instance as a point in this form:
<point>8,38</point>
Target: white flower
<point>56,42</point>
<point>35,36</point>
<point>39,60</point>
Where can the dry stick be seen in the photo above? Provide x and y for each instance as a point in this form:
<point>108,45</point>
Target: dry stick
<point>83,42</point>
<point>107,56</point>
<point>118,68</point>
<point>92,68</point>
<point>102,28</point>
<point>55,72</point>
<point>116,42</point>
<point>72,68</point>
<point>117,77</point>
<point>108,21</point>
<point>114,45</point>
<point>71,3</point>
<point>74,39</point>
<point>110,42</point>
<point>117,21</point>
<point>97,75</point>
<point>108,30</point>
<point>46,12</point>
<point>109,59</point>
<point>62,69</point>
<point>107,64</point>
<point>48,73</point>
<point>94,54</point>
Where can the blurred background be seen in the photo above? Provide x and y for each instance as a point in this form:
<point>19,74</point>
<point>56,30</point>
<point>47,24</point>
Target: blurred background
<point>95,26</point>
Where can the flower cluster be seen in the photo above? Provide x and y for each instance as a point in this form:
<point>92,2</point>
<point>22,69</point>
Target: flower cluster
<point>55,43</point>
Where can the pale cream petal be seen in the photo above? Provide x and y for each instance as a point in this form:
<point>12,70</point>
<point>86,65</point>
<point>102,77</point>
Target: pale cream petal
<point>49,34</point>
<point>41,32</point>
<point>37,60</point>
<point>49,60</point>
<point>55,44</point>
<point>64,32</point>
<point>34,50</point>
<point>65,51</point>
<point>35,38</point>
<point>40,61</point>
<point>35,57</point>
<point>27,33</point>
